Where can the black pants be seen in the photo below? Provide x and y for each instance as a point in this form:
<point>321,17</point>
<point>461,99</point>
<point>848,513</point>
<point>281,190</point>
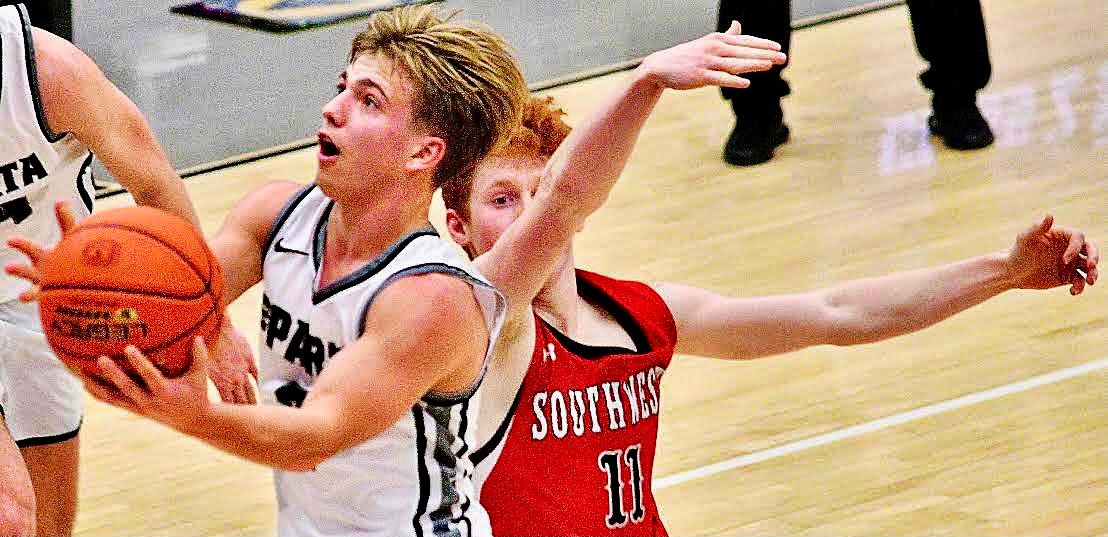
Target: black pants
<point>950,36</point>
<point>54,16</point>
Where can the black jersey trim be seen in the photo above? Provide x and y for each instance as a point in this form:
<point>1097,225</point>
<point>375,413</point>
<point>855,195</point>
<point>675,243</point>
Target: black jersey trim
<point>366,272</point>
<point>421,467</point>
<point>433,397</point>
<point>484,451</point>
<point>283,216</point>
<point>618,312</point>
<point>82,188</point>
<point>32,77</point>
<point>48,440</point>
<point>319,236</point>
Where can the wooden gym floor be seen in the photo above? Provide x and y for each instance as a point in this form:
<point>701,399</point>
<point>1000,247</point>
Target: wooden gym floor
<point>992,423</point>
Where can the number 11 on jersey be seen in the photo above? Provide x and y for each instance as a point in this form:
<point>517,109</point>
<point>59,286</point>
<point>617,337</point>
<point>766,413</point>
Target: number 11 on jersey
<point>611,463</point>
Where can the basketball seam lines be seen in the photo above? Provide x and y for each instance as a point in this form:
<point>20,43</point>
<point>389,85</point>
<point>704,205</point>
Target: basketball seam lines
<point>153,237</point>
<point>196,270</point>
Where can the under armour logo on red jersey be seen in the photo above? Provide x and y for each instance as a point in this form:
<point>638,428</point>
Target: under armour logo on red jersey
<point>548,353</point>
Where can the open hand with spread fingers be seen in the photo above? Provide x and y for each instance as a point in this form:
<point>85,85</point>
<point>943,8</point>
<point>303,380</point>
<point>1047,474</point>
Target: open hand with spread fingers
<point>36,252</point>
<point>716,59</point>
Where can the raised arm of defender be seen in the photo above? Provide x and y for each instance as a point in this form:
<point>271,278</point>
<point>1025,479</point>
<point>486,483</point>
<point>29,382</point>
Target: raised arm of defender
<point>585,167</point>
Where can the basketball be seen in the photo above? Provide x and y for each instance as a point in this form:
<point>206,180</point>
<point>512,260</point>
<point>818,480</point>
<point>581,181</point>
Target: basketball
<point>132,276</point>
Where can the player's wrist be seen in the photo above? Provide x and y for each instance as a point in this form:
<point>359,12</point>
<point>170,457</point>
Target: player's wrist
<point>646,76</point>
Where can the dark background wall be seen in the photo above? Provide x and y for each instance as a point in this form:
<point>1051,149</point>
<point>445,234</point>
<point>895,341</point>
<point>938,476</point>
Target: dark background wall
<point>213,91</point>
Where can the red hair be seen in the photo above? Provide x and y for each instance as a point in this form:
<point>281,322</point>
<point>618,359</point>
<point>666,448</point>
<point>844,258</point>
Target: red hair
<point>540,134</point>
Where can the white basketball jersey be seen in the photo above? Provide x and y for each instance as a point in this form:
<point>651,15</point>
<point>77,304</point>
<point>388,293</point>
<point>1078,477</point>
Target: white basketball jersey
<point>413,479</point>
<point>37,166</point>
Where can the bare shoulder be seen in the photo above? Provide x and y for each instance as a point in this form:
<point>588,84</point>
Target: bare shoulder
<point>428,306</point>
<point>430,296</point>
<point>258,209</point>
<point>65,77</point>
<point>56,58</point>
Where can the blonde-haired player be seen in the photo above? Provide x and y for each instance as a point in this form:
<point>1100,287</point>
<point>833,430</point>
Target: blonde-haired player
<point>376,332</point>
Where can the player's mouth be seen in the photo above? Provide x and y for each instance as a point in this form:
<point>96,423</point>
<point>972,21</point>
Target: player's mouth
<point>328,151</point>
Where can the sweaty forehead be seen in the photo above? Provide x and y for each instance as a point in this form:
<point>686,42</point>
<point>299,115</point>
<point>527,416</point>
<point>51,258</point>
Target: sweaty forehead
<point>502,172</point>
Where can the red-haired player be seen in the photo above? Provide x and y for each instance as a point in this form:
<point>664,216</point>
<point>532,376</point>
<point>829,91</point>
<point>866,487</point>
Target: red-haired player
<point>569,410</point>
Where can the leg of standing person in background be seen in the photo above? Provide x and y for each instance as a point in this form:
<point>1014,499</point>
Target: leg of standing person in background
<point>759,125</point>
<point>950,36</point>
<point>17,499</point>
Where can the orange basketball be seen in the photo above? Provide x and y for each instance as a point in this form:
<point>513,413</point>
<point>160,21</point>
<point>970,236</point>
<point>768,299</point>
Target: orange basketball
<point>133,276</point>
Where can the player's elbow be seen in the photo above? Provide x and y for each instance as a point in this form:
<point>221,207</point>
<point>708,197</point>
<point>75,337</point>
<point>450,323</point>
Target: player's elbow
<point>844,325</point>
<point>302,463</point>
<point>852,327</point>
<point>307,459</point>
<point>17,511</point>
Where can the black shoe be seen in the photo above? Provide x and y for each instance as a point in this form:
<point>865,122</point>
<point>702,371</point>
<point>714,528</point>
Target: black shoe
<point>960,124</point>
<point>757,132</point>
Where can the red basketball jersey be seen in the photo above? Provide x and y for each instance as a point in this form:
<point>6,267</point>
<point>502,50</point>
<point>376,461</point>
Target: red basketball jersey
<point>578,454</point>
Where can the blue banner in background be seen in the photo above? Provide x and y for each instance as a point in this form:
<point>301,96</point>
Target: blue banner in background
<point>287,15</point>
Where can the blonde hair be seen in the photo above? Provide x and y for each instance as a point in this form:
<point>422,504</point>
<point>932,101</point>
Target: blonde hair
<point>470,90</point>
<point>542,130</point>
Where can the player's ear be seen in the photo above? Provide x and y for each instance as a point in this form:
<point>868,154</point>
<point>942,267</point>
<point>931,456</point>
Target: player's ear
<point>426,153</point>
<point>458,228</point>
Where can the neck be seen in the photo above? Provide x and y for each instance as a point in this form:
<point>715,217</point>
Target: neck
<point>361,228</point>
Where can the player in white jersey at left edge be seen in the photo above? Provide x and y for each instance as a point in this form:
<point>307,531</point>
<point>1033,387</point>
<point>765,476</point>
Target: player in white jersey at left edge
<point>56,106</point>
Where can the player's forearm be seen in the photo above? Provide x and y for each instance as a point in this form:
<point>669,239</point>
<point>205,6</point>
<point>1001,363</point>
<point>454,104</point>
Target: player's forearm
<point>276,436</point>
<point>873,309</point>
<point>131,153</point>
<point>170,197</point>
<point>585,167</point>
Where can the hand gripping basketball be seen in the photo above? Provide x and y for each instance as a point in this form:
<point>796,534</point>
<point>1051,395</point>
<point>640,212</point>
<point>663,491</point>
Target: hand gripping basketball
<point>132,276</point>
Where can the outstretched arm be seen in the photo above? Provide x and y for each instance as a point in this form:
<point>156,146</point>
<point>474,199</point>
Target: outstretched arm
<point>580,174</point>
<point>873,309</point>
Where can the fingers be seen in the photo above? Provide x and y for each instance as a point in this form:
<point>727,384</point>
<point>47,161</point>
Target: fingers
<point>66,219</point>
<point>22,270</point>
<point>750,42</point>
<point>737,66</point>
<point>226,393</point>
<point>1092,261</point>
<point>30,295</point>
<point>102,391</point>
<point>1077,283</point>
<point>726,80</point>
<point>116,380</point>
<point>154,380</point>
<point>1044,226</point>
<point>198,369</point>
<point>1074,247</point>
<point>734,29</point>
<point>244,395</point>
<point>35,253</point>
